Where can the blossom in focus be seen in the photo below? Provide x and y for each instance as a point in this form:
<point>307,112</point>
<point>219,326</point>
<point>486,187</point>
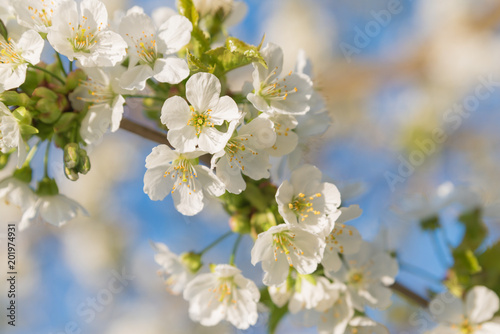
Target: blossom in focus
<point>288,94</point>
<point>245,154</point>
<point>152,49</point>
<point>16,55</point>
<point>223,294</point>
<point>10,135</point>
<point>367,274</point>
<point>176,274</point>
<point>313,292</point>
<point>286,138</point>
<point>170,171</point>
<point>82,34</point>
<point>102,90</point>
<point>307,202</point>
<point>36,14</point>
<point>343,239</point>
<point>285,246</point>
<point>475,315</point>
<point>195,126</point>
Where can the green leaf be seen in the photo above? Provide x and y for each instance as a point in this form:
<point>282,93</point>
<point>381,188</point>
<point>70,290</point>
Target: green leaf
<point>199,41</point>
<point>27,130</point>
<point>235,54</point>
<point>475,230</point>
<point>466,262</point>
<point>186,8</point>
<point>65,122</point>
<point>196,65</point>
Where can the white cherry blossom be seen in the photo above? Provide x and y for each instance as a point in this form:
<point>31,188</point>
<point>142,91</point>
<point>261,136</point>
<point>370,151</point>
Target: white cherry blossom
<point>367,275</point>
<point>286,138</point>
<point>245,154</point>
<point>364,325</point>
<point>102,89</point>
<point>152,49</point>
<point>36,14</point>
<point>176,274</point>
<point>16,55</point>
<point>17,192</point>
<point>313,292</point>
<point>81,32</point>
<point>307,202</point>
<point>53,209</point>
<point>475,315</point>
<point>285,246</point>
<point>170,171</point>
<point>192,126</point>
<point>289,94</point>
<point>223,294</point>
<point>10,135</point>
<point>343,239</point>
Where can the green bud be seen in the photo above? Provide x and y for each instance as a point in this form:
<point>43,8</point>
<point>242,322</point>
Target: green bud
<point>71,174</point>
<point>430,223</point>
<point>62,102</point>
<point>49,110</point>
<point>13,98</point>
<point>71,155</point>
<point>65,122</point>
<point>192,261</point>
<point>24,174</point>
<point>84,166</point>
<point>33,80</point>
<point>240,223</point>
<point>74,78</point>
<point>45,93</point>
<point>47,187</point>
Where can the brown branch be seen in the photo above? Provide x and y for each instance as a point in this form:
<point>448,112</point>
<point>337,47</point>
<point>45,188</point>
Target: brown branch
<point>153,135</point>
<point>404,291</point>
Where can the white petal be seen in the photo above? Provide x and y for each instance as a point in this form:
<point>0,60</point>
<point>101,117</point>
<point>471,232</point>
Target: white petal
<point>175,33</point>
<point>175,113</point>
<point>135,77</point>
<point>31,45</point>
<point>156,186</point>
<point>203,91</point>
<point>171,70</point>
<point>161,155</point>
<point>225,110</point>
<point>187,201</point>
<point>481,304</point>
<point>184,140</point>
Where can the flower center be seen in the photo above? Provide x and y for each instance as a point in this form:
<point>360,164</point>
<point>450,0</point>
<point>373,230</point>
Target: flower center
<point>225,290</point>
<point>356,278</point>
<point>466,327</point>
<point>283,243</point>
<point>43,16</point>
<point>98,92</point>
<point>199,121</point>
<point>145,48</point>
<point>183,173</point>
<point>236,145</point>
<point>8,54</point>
<point>302,205</point>
<point>84,37</point>
<point>331,239</point>
<point>276,88</point>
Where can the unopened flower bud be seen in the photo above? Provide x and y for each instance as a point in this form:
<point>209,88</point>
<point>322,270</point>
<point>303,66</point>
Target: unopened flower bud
<point>71,155</point>
<point>192,261</point>
<point>13,98</point>
<point>84,166</point>
<point>44,93</point>
<point>49,111</point>
<point>71,174</point>
<point>261,222</point>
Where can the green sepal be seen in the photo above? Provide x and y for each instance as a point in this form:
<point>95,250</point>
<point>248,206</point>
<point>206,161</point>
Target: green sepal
<point>3,31</point>
<point>22,115</point>
<point>24,174</point>
<point>430,224</point>
<point>28,130</point>
<point>47,187</point>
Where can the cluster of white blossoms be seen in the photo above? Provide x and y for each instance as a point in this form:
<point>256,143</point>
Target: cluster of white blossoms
<point>220,143</point>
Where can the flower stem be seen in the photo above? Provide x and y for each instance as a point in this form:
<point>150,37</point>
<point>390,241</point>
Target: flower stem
<point>70,66</point>
<point>61,66</point>
<point>235,249</point>
<point>31,154</point>
<point>138,96</point>
<point>219,239</point>
<point>46,160</point>
<point>55,76</point>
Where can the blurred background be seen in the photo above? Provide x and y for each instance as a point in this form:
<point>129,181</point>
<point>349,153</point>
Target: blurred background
<point>413,91</point>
